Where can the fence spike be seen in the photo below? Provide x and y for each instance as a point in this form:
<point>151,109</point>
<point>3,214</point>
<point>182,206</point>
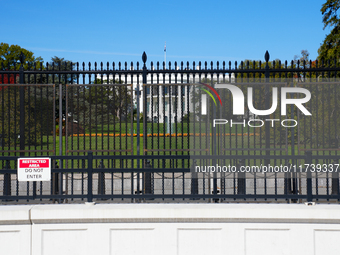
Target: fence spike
<point>266,56</point>
<point>144,57</point>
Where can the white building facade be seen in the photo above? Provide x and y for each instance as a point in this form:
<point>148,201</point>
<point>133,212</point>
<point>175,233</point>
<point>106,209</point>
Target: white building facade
<point>167,95</point>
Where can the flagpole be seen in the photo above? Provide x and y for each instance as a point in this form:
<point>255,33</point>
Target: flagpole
<point>165,53</point>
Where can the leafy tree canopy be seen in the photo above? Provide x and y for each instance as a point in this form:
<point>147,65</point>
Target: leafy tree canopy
<point>10,57</point>
<point>58,63</point>
<point>330,47</point>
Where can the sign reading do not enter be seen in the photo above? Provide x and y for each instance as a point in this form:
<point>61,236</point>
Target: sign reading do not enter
<point>34,169</point>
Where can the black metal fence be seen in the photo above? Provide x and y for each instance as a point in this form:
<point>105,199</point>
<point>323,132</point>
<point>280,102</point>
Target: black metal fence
<point>133,134</point>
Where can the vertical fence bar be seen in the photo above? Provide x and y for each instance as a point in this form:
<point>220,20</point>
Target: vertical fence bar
<point>60,179</point>
<point>89,176</point>
<point>241,179</point>
<point>7,180</point>
<point>267,127</point>
<point>55,181</point>
<point>101,180</point>
<point>146,175</point>
<point>138,136</point>
<point>309,177</point>
<point>22,106</point>
<point>214,152</point>
<point>68,126</point>
<point>194,179</point>
<point>335,182</point>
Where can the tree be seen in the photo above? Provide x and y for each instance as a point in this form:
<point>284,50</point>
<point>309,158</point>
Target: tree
<point>117,98</point>
<point>98,105</point>
<point>58,63</point>
<point>258,65</point>
<point>10,57</point>
<point>38,110</point>
<point>10,60</point>
<point>304,58</point>
<point>37,113</point>
<point>303,62</point>
<point>330,49</point>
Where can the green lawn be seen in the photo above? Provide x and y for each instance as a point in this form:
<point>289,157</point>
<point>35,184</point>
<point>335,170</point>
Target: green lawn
<point>120,145</point>
<point>162,128</point>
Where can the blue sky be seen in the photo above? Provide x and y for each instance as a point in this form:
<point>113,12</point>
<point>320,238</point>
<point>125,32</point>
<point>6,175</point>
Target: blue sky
<point>89,31</point>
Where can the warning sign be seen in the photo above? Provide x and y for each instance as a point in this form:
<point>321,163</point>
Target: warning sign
<point>34,169</point>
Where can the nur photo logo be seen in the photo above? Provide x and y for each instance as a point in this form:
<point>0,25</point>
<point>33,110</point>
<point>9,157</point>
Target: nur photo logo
<point>239,99</point>
<point>279,96</point>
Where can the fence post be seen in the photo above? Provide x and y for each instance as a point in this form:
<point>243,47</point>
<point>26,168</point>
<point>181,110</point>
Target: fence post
<point>267,99</point>
<point>22,105</point>
<point>287,182</point>
<point>241,179</point>
<point>145,110</point>
<point>89,176</point>
<point>309,177</point>
<point>55,181</point>
<point>214,147</point>
<point>194,180</point>
<point>138,136</point>
<point>101,180</point>
<point>7,181</point>
<point>335,182</point>
<point>148,187</point>
<point>146,176</point>
<point>61,166</point>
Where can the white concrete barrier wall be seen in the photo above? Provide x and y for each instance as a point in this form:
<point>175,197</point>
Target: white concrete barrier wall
<point>170,229</point>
